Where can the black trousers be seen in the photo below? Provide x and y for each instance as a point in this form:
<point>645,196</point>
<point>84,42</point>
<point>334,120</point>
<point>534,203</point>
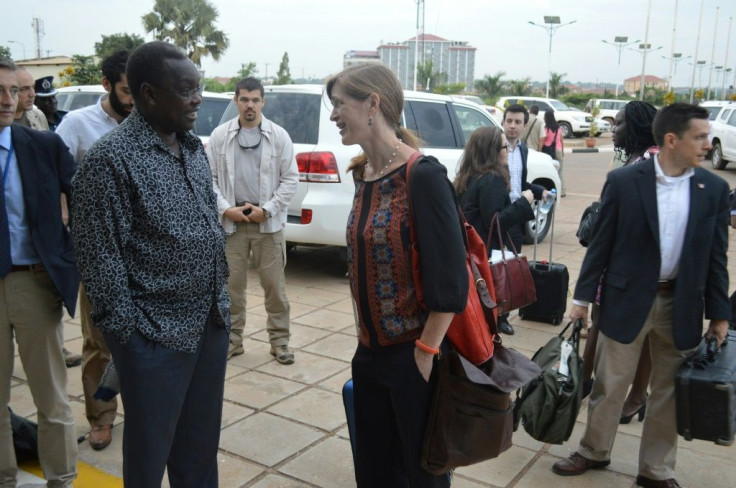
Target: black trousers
<point>391,406</point>
<point>173,407</point>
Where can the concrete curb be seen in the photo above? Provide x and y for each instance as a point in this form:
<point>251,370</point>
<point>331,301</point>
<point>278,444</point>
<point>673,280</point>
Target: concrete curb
<point>585,150</point>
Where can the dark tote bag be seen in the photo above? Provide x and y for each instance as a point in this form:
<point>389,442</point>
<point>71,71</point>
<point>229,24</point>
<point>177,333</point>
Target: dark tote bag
<point>512,279</point>
<point>471,418</point>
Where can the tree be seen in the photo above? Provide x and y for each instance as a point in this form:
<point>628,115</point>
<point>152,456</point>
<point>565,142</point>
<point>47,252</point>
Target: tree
<point>491,86</point>
<point>5,52</point>
<point>84,71</point>
<point>283,75</point>
<point>247,70</point>
<point>428,78</point>
<point>189,24</point>
<point>115,42</point>
<point>521,88</point>
<point>556,88</point>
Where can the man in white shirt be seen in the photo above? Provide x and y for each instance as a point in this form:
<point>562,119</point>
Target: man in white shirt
<point>80,129</point>
<point>515,119</point>
<point>255,177</point>
<point>661,239</point>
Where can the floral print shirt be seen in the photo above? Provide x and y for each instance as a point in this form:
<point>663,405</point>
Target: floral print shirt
<point>150,248</point>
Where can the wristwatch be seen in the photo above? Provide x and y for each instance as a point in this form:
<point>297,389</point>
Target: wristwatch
<point>266,214</point>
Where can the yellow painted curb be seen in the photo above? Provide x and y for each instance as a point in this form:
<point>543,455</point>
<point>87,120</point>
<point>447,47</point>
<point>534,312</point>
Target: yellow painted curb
<point>88,476</point>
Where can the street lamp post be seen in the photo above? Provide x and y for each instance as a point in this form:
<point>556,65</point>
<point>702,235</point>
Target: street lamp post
<point>643,49</point>
<point>552,23</point>
<point>619,42</point>
<point>674,61</point>
<point>21,45</point>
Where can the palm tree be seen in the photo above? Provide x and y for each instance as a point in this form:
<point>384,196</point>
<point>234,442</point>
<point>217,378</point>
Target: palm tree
<point>522,87</point>
<point>428,78</point>
<point>556,88</point>
<point>189,24</point>
<point>491,85</point>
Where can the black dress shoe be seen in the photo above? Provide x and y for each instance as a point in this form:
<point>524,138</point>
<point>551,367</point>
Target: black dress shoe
<point>505,327</point>
<point>645,482</point>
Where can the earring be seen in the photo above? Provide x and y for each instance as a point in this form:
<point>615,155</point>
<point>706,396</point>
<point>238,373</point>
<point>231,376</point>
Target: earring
<point>370,121</point>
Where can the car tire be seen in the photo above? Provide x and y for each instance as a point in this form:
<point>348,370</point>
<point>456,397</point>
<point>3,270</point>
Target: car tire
<point>717,158</point>
<point>545,222</point>
<point>566,130</point>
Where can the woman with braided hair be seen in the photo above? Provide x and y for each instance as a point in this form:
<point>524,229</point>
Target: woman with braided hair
<point>633,142</point>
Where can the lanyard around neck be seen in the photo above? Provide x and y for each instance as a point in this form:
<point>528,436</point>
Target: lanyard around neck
<point>7,166</point>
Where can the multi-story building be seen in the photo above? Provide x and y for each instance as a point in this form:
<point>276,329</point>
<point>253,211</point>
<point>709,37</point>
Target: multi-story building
<point>456,59</point>
<point>352,58</point>
<point>633,84</point>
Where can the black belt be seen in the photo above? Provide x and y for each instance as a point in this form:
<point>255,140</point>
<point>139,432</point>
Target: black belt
<point>667,285</point>
<point>27,267</point>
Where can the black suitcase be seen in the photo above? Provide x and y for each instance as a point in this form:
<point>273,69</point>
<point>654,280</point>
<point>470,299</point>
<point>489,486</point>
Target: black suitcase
<point>551,281</point>
<point>705,393</point>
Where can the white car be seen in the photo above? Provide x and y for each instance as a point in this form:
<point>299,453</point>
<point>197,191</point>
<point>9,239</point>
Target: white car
<point>723,136</point>
<point>573,122</point>
<point>210,111</point>
<point>319,211</point>
<point>608,108</point>
<point>497,114</point>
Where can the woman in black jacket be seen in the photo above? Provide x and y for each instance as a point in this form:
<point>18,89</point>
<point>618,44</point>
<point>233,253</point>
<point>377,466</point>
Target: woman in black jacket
<point>482,182</point>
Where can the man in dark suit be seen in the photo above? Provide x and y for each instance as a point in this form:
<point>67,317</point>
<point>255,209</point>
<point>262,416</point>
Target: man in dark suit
<point>660,244</point>
<point>515,118</point>
<point>37,274</point>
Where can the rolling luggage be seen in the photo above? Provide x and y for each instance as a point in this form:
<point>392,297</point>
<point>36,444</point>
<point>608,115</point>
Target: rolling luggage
<point>705,393</point>
<point>551,281</point>
<point>348,399</point>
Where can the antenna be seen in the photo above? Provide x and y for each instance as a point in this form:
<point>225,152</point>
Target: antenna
<point>38,32</point>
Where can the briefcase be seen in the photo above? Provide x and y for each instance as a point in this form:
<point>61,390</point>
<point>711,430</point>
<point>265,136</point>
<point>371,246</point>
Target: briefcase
<point>705,393</point>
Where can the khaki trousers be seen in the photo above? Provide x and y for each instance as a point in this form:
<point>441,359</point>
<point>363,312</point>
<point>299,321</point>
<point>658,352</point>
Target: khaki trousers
<point>615,365</point>
<point>30,310</point>
<point>95,357</point>
<point>269,259</point>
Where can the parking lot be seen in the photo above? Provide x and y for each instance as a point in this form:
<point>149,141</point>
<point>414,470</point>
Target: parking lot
<point>284,426</point>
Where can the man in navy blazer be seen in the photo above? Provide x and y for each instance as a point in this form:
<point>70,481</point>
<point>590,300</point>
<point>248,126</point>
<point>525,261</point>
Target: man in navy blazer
<point>37,274</point>
<point>660,245</point>
<point>515,118</point>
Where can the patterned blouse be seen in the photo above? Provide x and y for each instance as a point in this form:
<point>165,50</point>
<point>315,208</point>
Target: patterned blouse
<point>151,251</point>
<point>379,258</point>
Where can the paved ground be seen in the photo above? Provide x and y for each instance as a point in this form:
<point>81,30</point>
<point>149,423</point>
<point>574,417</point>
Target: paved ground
<point>284,426</point>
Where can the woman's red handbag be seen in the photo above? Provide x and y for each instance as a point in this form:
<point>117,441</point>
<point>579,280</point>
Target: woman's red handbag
<point>471,332</point>
<point>512,279</point>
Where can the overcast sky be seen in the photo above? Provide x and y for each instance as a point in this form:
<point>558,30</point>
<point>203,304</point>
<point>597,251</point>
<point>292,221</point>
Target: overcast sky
<point>317,33</point>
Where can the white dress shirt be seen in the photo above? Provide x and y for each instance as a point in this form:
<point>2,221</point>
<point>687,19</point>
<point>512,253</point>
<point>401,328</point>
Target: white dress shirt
<point>515,170</point>
<point>673,209</point>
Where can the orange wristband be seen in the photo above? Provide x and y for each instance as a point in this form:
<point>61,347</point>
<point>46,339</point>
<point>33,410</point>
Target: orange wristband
<point>423,347</point>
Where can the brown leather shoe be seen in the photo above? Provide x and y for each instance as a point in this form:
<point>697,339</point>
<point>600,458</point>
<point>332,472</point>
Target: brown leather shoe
<point>100,436</point>
<point>650,483</point>
<point>577,464</point>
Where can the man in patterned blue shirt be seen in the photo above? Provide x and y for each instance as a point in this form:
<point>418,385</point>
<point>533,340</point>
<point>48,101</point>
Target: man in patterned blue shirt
<point>152,258</point>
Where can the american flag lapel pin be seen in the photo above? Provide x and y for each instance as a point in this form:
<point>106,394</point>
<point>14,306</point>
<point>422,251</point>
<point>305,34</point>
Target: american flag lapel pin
<point>701,186</point>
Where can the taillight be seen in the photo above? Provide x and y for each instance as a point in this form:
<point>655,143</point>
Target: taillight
<point>306,216</point>
<point>318,167</point>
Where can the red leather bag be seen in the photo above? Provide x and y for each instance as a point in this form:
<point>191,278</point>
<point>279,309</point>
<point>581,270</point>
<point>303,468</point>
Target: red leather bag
<point>512,279</point>
<point>471,332</point>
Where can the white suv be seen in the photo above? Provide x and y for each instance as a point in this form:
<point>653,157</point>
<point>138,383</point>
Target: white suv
<point>723,137</point>
<point>319,211</point>
<point>208,117</point>
<point>572,122</point>
<point>608,108</point>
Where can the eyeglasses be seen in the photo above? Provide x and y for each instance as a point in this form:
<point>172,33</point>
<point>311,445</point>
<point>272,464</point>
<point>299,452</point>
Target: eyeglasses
<point>187,94</point>
<point>13,91</point>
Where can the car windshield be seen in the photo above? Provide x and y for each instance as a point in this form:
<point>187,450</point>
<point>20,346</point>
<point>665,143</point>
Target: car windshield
<point>557,105</point>
<point>297,113</point>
